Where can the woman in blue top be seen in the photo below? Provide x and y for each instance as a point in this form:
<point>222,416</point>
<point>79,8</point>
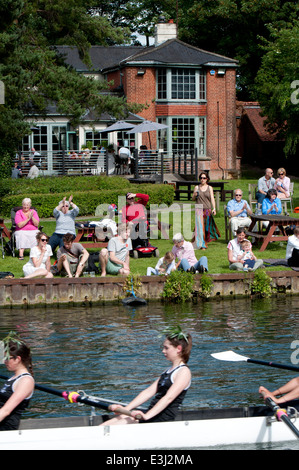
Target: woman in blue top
<point>271,204</point>
<point>169,390</point>
<point>16,392</point>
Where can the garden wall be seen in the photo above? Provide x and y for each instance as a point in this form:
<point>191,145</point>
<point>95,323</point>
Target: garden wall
<point>96,290</point>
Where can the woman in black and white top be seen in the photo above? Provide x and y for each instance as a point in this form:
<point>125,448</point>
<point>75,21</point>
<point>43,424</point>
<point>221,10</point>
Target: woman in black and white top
<point>16,392</point>
<point>168,390</point>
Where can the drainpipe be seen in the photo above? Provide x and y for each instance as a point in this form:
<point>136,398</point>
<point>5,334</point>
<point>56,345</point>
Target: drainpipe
<point>218,137</point>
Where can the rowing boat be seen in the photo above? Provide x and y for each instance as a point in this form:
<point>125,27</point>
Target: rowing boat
<point>203,428</point>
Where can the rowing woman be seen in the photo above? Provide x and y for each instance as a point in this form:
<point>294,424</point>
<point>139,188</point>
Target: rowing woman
<point>169,390</point>
<point>17,390</point>
<point>288,392</point>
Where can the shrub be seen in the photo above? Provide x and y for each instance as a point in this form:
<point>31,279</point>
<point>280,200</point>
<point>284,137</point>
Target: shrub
<point>262,284</point>
<point>178,287</point>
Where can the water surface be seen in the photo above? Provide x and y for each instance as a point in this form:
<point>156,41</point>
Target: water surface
<point>115,351</point>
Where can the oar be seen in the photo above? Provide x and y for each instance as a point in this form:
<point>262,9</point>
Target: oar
<point>281,414</point>
<point>232,356</point>
<point>74,397</point>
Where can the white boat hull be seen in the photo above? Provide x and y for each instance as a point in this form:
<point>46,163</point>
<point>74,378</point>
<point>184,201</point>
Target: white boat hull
<point>171,435</point>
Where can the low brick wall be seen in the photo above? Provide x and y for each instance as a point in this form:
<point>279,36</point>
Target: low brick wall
<point>97,290</point>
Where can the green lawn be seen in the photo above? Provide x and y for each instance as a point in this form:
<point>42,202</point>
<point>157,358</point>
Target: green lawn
<point>216,252</point>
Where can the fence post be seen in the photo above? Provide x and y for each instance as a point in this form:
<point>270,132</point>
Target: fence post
<point>192,162</point>
<point>106,162</point>
<point>136,155</point>
<point>162,167</point>
<point>63,162</point>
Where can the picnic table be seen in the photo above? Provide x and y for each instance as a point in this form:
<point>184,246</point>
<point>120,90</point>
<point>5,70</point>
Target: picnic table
<point>267,234</point>
<point>218,185</point>
<point>87,236</point>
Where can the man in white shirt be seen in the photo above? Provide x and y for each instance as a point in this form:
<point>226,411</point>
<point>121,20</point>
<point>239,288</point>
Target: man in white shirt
<point>292,253</point>
<point>33,172</point>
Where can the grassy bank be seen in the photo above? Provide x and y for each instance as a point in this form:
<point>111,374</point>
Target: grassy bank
<point>216,252</point>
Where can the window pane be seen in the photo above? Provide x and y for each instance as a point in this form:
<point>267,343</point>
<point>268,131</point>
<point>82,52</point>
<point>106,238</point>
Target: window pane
<point>183,134</point>
<point>183,84</point>
<point>162,84</point>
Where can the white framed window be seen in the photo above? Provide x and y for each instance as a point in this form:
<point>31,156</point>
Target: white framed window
<point>181,84</point>
<point>185,134</point>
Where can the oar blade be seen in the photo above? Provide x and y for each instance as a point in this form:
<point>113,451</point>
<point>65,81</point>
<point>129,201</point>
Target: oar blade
<point>229,356</point>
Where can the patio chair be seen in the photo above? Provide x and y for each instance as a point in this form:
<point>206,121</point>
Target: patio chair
<point>285,201</point>
<point>228,230</point>
<point>252,188</point>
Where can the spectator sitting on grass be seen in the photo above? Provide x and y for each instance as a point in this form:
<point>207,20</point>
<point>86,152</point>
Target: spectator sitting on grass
<point>115,259</point>
<point>71,258</point>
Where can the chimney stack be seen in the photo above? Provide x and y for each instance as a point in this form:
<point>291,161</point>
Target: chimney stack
<point>165,31</point>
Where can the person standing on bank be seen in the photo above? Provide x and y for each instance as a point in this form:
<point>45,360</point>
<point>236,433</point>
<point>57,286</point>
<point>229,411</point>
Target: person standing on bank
<point>169,390</point>
<point>17,390</point>
<point>65,222</point>
<point>203,194</point>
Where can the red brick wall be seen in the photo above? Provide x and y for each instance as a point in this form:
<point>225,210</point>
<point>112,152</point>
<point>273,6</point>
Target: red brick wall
<point>221,123</point>
<point>220,112</point>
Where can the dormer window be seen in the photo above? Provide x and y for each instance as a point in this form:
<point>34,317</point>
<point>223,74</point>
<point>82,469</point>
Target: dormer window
<point>181,84</point>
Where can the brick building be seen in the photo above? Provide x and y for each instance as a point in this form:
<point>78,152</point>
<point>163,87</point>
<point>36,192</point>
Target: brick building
<point>190,90</point>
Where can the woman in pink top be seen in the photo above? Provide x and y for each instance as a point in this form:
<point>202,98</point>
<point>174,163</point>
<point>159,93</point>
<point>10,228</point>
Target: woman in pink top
<point>282,184</point>
<point>183,252</point>
<point>26,220</point>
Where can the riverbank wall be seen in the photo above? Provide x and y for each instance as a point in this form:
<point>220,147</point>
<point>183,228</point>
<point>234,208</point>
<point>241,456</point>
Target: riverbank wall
<point>97,290</point>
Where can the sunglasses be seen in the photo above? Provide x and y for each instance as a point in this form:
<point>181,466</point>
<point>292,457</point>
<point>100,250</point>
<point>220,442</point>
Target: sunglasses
<point>238,194</point>
<point>44,239</point>
<point>281,174</point>
<point>203,177</point>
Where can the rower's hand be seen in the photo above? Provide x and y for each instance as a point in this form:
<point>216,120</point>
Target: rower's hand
<point>137,414</point>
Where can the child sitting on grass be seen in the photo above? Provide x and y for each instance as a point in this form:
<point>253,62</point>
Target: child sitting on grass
<point>247,256</point>
<point>164,266</point>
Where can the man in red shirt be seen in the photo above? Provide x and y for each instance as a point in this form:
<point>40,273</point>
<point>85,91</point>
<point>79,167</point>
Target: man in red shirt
<point>134,211</point>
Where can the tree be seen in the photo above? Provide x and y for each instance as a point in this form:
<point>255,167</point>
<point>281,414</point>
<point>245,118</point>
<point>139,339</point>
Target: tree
<point>35,76</point>
<point>139,15</point>
<point>234,28</point>
<point>277,85</point>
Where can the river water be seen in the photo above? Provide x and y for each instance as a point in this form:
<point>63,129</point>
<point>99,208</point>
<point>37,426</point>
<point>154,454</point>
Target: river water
<point>115,351</point>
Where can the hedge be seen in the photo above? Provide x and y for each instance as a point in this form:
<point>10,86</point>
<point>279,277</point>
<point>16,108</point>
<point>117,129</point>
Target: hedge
<point>86,196</point>
<point>59,184</point>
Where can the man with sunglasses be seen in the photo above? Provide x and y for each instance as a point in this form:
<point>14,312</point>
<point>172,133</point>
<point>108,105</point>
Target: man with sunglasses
<point>265,183</point>
<point>65,222</point>
<point>238,209</point>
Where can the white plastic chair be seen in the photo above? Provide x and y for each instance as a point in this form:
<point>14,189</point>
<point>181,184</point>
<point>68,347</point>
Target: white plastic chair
<point>285,201</point>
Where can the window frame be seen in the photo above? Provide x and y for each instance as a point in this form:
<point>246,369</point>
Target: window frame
<point>164,81</point>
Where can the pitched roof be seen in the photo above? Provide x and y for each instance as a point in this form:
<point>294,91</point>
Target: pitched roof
<point>169,52</point>
<point>175,51</point>
<point>101,56</point>
<point>254,113</point>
